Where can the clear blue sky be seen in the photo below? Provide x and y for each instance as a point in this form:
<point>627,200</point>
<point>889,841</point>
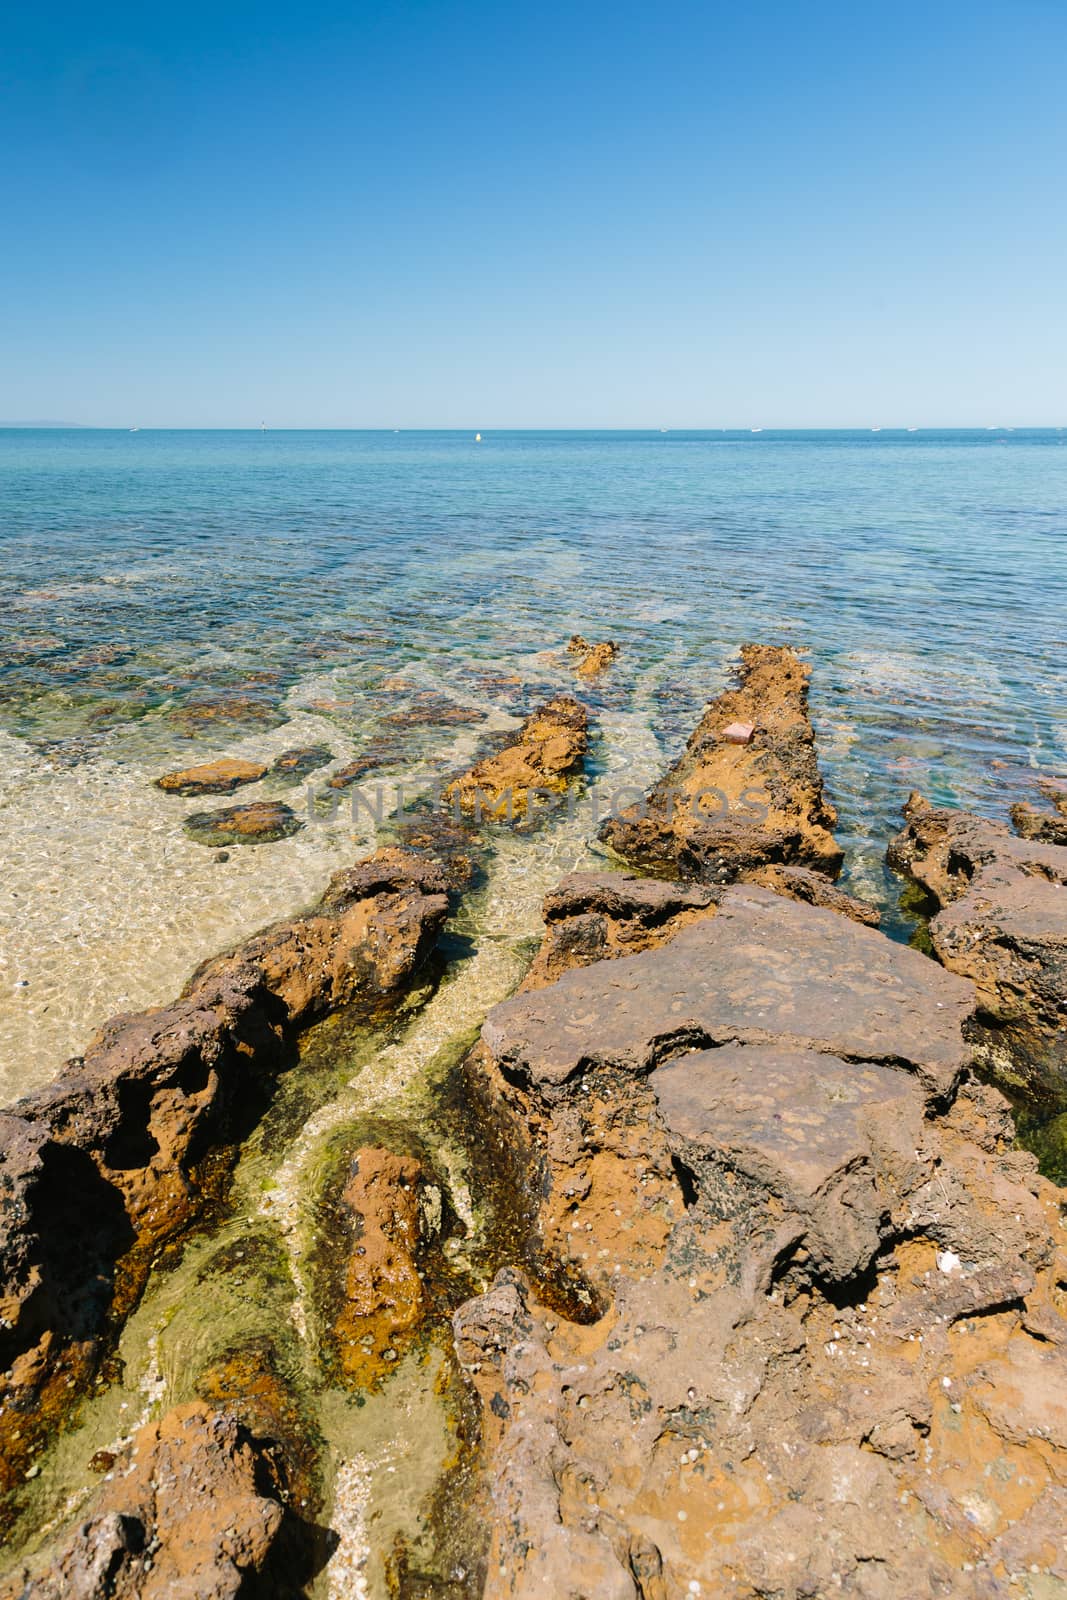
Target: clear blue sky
<point>582,214</point>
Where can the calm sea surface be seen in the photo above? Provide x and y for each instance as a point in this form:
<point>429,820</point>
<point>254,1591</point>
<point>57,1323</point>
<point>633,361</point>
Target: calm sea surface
<point>182,594</point>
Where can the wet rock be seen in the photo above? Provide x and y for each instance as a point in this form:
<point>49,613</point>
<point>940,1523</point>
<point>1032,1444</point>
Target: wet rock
<point>299,762</point>
<point>801,883</point>
<point>382,751</point>
<point>260,822</point>
<point>393,1208</point>
<point>430,710</point>
<point>777,1338</point>
<point>727,807</point>
<point>195,1507</point>
<point>1001,920</point>
<point>549,747</point>
<point>109,1166</point>
<point>214,777</point>
<point>1030,823</point>
<point>591,659</point>
<point>224,710</point>
<point>598,916</point>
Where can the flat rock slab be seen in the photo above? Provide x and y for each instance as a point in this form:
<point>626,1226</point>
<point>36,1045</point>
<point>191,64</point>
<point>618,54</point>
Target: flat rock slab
<point>214,777</point>
<point>829,1138</point>
<point>764,970</point>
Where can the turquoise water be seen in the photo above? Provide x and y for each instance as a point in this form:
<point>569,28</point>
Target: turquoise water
<point>925,573</point>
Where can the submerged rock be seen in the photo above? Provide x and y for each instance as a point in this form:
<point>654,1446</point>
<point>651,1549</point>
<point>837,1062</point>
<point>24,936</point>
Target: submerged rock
<point>195,1507</point>
<point>112,1163</point>
<point>807,1321</point>
<point>260,822</point>
<point>214,777</point>
<point>1001,920</point>
<point>725,806</point>
<point>548,748</point>
<point>591,659</point>
<point>299,762</point>
<point>394,1208</point>
<point>1030,823</point>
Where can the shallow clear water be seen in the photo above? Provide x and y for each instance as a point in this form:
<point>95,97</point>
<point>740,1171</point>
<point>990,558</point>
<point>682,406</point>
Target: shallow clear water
<point>166,597</point>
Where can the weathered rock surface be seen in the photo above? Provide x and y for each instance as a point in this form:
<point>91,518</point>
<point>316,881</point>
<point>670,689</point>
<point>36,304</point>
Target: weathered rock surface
<point>110,1164</point>
<point>260,822</point>
<point>394,1207</point>
<point>213,777</point>
<point>195,1508</point>
<point>1030,823</point>
<point>591,659</point>
<point>807,1334</point>
<point>594,916</point>
<point>545,752</point>
<point>1002,922</point>
<point>300,761</point>
<point>726,807</point>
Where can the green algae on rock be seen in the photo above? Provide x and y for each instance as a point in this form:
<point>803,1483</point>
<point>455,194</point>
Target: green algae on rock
<point>259,822</point>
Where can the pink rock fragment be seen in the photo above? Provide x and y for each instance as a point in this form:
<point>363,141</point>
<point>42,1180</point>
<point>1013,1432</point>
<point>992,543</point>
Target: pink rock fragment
<point>738,732</point>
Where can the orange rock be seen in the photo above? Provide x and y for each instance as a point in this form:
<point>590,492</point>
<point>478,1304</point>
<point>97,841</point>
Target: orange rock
<point>213,777</point>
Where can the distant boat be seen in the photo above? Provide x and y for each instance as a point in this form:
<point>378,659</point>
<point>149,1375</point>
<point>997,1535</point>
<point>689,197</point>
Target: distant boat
<point>755,430</point>
<point>477,438</point>
<point>876,430</point>
<point>135,430</point>
<point>913,430</point>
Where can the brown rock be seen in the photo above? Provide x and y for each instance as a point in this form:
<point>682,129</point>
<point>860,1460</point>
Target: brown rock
<point>548,748</point>
<point>724,807</point>
<point>1029,823</point>
<point>392,1204</point>
<point>214,777</point>
<point>801,883</point>
<point>300,761</point>
<point>1002,922</point>
<point>111,1164</point>
<point>790,1277</point>
<point>195,1507</point>
<point>382,751</point>
<point>254,710</point>
<point>591,659</point>
<point>260,822</point>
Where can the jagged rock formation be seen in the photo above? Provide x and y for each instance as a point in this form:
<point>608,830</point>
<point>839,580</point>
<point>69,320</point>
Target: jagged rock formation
<point>1001,920</point>
<point>727,806</point>
<point>806,1331</point>
<point>591,659</point>
<point>545,752</point>
<point>109,1165</point>
<point>194,1507</point>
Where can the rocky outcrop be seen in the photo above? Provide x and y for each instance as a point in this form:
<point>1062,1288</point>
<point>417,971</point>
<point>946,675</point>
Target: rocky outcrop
<point>393,1208</point>
<point>194,1507</point>
<point>107,1167</point>
<point>213,777</point>
<point>1001,920</point>
<point>747,791</point>
<point>1050,826</point>
<point>260,822</point>
<point>794,1326</point>
<point>591,659</point>
<point>545,752</point>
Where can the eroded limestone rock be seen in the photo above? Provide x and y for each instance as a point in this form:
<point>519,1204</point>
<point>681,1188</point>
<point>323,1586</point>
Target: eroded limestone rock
<point>725,806</point>
<point>545,752</point>
<point>591,659</point>
<point>807,1325</point>
<point>1002,922</point>
<point>195,1507</point>
<point>105,1168</point>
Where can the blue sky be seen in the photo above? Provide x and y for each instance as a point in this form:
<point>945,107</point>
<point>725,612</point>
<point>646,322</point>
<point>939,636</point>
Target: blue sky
<point>435,214</point>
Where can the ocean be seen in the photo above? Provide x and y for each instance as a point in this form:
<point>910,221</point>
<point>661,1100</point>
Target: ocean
<point>166,597</point>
